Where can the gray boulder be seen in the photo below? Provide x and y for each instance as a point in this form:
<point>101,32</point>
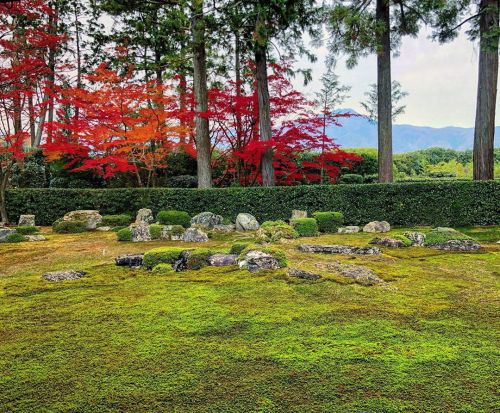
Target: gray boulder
<point>360,274</point>
<point>444,229</point>
<point>255,261</point>
<point>388,242</point>
<point>104,229</point>
<point>352,229</point>
<point>129,260</point>
<point>298,214</point>
<point>63,275</point>
<point>144,215</point>
<point>377,226</point>
<point>417,238</point>
<point>140,232</point>
<point>458,245</point>
<point>222,260</point>
<point>194,235</point>
<point>207,220</point>
<point>181,263</point>
<point>339,249</point>
<point>246,222</point>
<point>5,232</point>
<point>35,238</point>
<point>91,217</point>
<point>26,221</point>
<point>225,228</point>
<point>304,275</point>
<point>172,232</point>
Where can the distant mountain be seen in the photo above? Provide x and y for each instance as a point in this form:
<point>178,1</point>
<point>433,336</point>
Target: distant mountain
<point>359,132</point>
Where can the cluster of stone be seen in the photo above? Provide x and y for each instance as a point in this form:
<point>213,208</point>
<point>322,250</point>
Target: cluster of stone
<point>339,249</point>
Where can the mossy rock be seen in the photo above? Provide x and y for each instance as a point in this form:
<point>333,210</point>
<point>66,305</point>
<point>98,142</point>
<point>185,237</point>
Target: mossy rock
<point>274,231</point>
<point>69,227</point>
<point>162,255</point>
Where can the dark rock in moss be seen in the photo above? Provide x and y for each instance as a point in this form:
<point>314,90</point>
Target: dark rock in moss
<point>63,275</point>
<point>129,260</point>
<point>305,275</point>
<point>181,264</point>
<point>457,245</point>
<point>339,249</point>
<point>360,274</point>
<point>388,242</point>
<point>223,260</point>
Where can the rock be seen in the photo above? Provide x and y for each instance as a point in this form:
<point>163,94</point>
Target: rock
<point>255,261</point>
<point>458,245</point>
<point>140,232</point>
<point>104,229</point>
<point>377,226</point>
<point>305,275</point>
<point>339,249</point>
<point>144,215</point>
<point>63,275</point>
<point>362,275</point>
<point>246,222</point>
<point>91,217</point>
<point>5,232</point>
<point>26,221</point>
<point>181,263</point>
<point>129,260</point>
<point>34,238</point>
<point>225,228</point>
<point>388,242</point>
<point>352,229</point>
<point>444,229</point>
<point>223,260</point>
<point>207,220</point>
<point>417,238</point>
<point>194,235</point>
<point>298,214</point>
<point>172,232</point>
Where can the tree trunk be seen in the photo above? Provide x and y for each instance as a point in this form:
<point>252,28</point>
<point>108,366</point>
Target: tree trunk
<point>384,93</point>
<point>201,95</point>
<point>53,22</point>
<point>4,179</point>
<point>484,131</point>
<point>264,107</point>
<point>183,106</point>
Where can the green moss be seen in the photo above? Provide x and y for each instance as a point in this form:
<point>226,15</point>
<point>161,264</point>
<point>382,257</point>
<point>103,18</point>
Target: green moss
<point>163,269</point>
<point>124,234</point>
<point>237,247</point>
<point>405,240</point>
<point>120,220</point>
<point>329,222</point>
<point>174,218</point>
<point>155,230</point>
<point>13,238</point>
<point>272,231</point>
<point>198,259</point>
<point>306,227</point>
<point>27,230</point>
<point>162,255</point>
<point>439,237</point>
<point>69,227</point>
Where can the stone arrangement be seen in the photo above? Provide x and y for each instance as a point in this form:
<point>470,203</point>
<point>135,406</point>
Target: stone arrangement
<point>339,249</point>
<point>91,218</point>
<point>63,275</point>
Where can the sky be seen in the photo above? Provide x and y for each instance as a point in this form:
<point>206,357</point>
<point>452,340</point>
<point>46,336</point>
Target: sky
<point>441,80</point>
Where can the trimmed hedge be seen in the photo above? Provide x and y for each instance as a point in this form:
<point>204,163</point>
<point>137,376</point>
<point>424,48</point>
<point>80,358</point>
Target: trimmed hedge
<point>174,218</point>
<point>306,227</point>
<point>329,221</point>
<point>69,227</point>
<point>119,220</point>
<point>450,203</point>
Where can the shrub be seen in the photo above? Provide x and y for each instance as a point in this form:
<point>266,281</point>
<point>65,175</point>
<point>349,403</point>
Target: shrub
<point>272,231</point>
<point>182,181</point>
<point>163,269</point>
<point>351,179</point>
<point>69,227</point>
<point>306,227</point>
<point>198,259</point>
<point>329,221</point>
<point>278,254</point>
<point>121,220</point>
<point>174,218</point>
<point>124,234</point>
<point>405,240</point>
<point>27,230</point>
<point>117,229</point>
<point>15,237</point>
<point>439,237</point>
<point>162,255</point>
<point>155,230</point>
<point>237,247</point>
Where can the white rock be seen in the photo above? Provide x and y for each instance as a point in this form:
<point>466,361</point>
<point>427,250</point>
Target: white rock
<point>351,229</point>
<point>246,222</point>
<point>298,214</point>
<point>26,221</point>
<point>377,226</point>
<point>144,215</point>
<point>91,218</point>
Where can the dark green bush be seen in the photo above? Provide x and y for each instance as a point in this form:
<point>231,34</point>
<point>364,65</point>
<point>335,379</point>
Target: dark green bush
<point>162,255</point>
<point>27,230</point>
<point>69,227</point>
<point>199,259</point>
<point>350,179</point>
<point>182,181</point>
<point>15,237</point>
<point>120,220</point>
<point>155,230</point>
<point>438,237</point>
<point>405,240</point>
<point>445,203</point>
<point>330,221</point>
<point>174,218</point>
<point>125,234</point>
<point>237,247</point>
<point>306,227</point>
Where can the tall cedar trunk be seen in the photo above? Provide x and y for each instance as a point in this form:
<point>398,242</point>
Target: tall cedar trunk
<point>239,122</point>
<point>384,93</point>
<point>4,179</point>
<point>53,22</point>
<point>484,131</point>
<point>264,108</point>
<point>201,95</point>
<point>78,56</point>
<point>183,105</point>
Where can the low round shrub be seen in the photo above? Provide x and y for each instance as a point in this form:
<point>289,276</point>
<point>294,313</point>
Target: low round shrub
<point>69,227</point>
<point>124,234</point>
<point>440,237</point>
<point>174,218</point>
<point>199,259</point>
<point>272,231</point>
<point>155,230</point>
<point>163,269</point>
<point>27,230</point>
<point>351,179</point>
<point>116,229</point>
<point>306,227</point>
<point>15,238</point>
<point>175,230</point>
<point>329,221</point>
<point>121,220</point>
<point>404,239</point>
<point>237,247</point>
<point>162,255</point>
<point>182,181</point>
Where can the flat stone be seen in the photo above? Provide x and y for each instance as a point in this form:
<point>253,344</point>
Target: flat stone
<point>26,221</point>
<point>5,232</point>
<point>129,260</point>
<point>255,261</point>
<point>92,218</point>
<point>377,226</point>
<point>298,214</point>
<point>140,232</point>
<point>35,238</point>
<point>207,220</point>
<point>444,229</point>
<point>194,235</point>
<point>246,222</point>
<point>104,229</point>
<point>305,275</point>
<point>225,228</point>
<point>457,245</point>
<point>223,260</point>
<point>339,249</point>
<point>63,275</point>
<point>145,216</point>
<point>351,229</point>
<point>417,238</point>
<point>388,242</point>
<point>360,274</point>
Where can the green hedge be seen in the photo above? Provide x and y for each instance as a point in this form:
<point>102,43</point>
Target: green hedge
<point>431,203</point>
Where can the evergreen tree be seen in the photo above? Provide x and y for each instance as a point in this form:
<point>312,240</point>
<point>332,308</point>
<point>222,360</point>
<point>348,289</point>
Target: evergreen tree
<point>371,104</point>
